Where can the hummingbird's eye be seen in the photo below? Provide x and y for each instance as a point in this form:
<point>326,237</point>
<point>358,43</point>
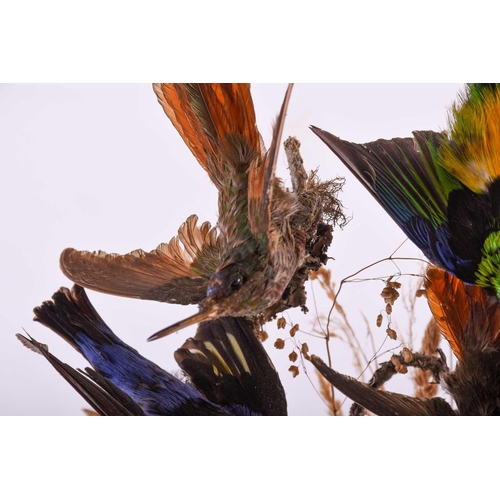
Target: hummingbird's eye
<point>237,282</point>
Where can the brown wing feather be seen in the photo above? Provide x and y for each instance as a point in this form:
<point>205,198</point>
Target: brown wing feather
<point>382,403</point>
<point>171,273</point>
<point>261,175</point>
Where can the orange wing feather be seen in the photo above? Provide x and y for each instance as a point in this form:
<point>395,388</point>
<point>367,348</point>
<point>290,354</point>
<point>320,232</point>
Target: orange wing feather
<point>174,101</point>
<point>466,314</point>
<point>213,120</point>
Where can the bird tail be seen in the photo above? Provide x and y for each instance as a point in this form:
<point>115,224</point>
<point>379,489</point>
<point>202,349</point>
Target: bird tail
<point>71,315</point>
<point>105,398</point>
<point>157,392</point>
<point>216,121</point>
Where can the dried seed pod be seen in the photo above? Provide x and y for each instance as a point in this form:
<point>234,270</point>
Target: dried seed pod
<point>420,292</point>
<point>293,356</point>
<point>305,351</point>
<point>263,336</point>
<point>279,344</point>
<point>397,364</point>
<point>379,320</point>
<point>388,308</point>
<point>391,333</point>
<point>294,330</point>
<point>294,370</point>
<point>395,361</point>
<point>389,295</point>
<point>407,354</point>
<point>281,322</point>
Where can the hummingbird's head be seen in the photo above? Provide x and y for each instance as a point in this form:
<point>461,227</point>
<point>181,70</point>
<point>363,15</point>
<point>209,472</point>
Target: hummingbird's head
<point>225,282</point>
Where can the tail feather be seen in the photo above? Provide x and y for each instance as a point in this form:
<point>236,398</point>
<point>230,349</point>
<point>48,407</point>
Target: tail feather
<point>155,391</point>
<point>216,121</point>
<point>103,397</point>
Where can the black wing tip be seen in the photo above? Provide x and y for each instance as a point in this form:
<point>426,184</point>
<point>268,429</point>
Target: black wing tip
<point>61,300</point>
<point>70,312</point>
<point>327,137</point>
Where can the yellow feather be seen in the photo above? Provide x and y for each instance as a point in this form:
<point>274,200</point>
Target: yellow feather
<point>473,155</point>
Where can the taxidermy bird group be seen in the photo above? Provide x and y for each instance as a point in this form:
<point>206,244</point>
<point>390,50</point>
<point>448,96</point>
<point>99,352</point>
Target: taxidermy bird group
<point>242,272</point>
<point>441,188</point>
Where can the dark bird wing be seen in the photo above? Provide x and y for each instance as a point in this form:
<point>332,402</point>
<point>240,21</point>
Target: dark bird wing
<point>155,391</point>
<point>433,208</point>
<point>175,272</point>
<point>382,403</point>
<point>229,365</point>
<point>402,174</point>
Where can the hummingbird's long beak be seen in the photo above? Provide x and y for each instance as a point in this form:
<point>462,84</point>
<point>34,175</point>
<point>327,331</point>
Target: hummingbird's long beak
<point>183,323</point>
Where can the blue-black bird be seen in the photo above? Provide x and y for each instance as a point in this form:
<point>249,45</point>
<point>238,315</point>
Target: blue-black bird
<point>230,372</point>
<point>442,189</point>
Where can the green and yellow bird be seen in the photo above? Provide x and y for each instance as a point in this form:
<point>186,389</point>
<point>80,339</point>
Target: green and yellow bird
<point>442,188</point>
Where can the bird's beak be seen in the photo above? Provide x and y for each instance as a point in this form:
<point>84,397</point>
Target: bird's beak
<point>192,320</point>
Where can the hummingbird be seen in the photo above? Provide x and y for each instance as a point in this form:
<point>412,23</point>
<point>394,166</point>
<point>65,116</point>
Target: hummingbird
<point>256,259</point>
<point>442,188</point>
<point>228,369</point>
<point>469,319</point>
